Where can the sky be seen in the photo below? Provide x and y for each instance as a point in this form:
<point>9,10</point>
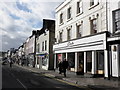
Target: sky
<point>19,17</point>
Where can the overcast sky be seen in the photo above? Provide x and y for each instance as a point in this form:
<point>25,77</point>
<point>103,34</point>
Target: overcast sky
<point>19,17</point>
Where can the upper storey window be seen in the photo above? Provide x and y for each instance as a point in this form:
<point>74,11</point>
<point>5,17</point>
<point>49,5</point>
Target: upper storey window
<point>79,7</point>
<point>116,20</point>
<point>93,3</point>
<point>69,34</point>
<point>61,18</point>
<point>69,13</point>
<point>94,26</point>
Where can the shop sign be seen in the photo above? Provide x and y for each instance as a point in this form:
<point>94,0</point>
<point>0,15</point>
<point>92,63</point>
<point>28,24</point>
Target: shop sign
<point>70,43</point>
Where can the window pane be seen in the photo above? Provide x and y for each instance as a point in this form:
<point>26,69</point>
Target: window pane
<point>93,26</point>
<point>69,12</point>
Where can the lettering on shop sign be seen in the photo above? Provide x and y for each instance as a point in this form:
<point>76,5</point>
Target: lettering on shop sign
<point>70,43</point>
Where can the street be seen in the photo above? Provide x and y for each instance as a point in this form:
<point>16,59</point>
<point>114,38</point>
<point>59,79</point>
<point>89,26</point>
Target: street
<point>19,78</point>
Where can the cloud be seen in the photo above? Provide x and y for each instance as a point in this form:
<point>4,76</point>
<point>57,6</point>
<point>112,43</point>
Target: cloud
<point>20,17</point>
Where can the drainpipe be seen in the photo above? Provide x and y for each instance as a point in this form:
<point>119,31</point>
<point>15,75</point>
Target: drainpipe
<point>106,39</point>
<point>35,50</point>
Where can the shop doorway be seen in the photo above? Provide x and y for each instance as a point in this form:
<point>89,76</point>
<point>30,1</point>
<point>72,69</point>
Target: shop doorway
<point>100,62</point>
<point>89,62</point>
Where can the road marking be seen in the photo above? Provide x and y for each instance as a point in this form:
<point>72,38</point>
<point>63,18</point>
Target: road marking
<point>60,80</point>
<point>21,83</point>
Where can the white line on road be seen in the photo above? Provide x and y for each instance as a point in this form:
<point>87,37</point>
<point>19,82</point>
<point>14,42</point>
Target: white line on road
<point>21,83</point>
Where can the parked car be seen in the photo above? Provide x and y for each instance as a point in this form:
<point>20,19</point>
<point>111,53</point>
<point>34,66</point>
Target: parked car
<point>4,61</point>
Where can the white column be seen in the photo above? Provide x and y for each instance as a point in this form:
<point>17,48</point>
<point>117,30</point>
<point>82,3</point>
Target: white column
<point>55,61</point>
<point>106,63</point>
<point>66,56</point>
<point>93,62</point>
<point>85,58</point>
<point>115,61</point>
<point>76,61</point>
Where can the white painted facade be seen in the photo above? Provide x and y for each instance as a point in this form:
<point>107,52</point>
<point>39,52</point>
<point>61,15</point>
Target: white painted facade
<point>114,41</point>
<point>96,44</point>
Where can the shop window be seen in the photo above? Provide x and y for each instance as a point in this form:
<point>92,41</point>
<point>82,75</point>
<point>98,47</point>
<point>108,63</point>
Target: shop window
<point>89,61</point>
<point>44,60</point>
<point>100,62</point>
<point>94,26</point>
<point>79,7</point>
<point>71,61</point>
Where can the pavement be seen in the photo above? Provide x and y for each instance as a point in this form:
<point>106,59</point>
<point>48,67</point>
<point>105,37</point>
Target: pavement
<point>78,80</point>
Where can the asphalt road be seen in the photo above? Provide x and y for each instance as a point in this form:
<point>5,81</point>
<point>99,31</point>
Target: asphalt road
<point>19,78</point>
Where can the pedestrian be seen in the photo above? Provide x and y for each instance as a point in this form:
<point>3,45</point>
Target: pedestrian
<point>64,66</point>
<point>60,66</point>
<point>11,62</point>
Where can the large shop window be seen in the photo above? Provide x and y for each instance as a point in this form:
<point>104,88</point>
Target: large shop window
<point>89,61</point>
<point>116,20</point>
<point>71,61</point>
<point>100,62</point>
<point>44,60</point>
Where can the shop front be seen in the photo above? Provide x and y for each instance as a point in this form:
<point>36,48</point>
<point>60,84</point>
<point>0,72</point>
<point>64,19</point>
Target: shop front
<point>84,55</point>
<point>42,61</point>
<point>114,54</point>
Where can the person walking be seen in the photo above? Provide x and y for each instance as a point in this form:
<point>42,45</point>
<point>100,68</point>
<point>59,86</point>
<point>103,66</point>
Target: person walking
<point>11,62</point>
<point>60,66</point>
<point>64,66</point>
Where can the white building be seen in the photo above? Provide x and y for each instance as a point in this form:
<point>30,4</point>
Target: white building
<point>114,39</point>
<point>81,33</point>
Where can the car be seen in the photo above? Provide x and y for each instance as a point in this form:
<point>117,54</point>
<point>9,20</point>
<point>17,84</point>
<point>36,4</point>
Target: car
<point>4,61</point>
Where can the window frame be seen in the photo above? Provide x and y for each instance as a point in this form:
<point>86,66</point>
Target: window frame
<point>61,18</point>
<point>69,13</point>
<point>79,7</point>
<point>116,20</point>
<point>79,29</point>
<point>45,45</point>
<point>92,29</point>
<point>69,32</point>
<point>60,36</point>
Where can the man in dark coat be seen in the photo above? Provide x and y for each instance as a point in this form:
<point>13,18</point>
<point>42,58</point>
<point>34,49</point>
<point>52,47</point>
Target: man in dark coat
<point>64,66</point>
<point>60,66</point>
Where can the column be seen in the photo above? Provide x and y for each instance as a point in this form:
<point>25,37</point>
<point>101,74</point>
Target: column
<point>94,62</point>
<point>76,61</point>
<point>55,61</point>
<point>106,63</point>
<point>66,56</point>
<point>85,58</point>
